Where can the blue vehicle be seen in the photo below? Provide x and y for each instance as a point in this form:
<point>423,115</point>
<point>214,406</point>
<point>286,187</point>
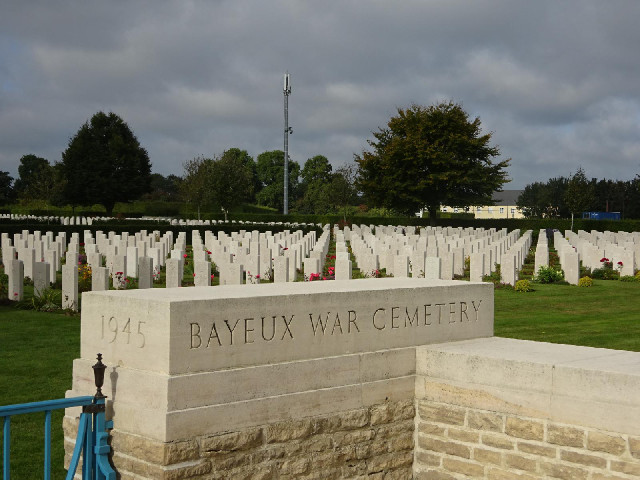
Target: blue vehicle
<point>601,215</point>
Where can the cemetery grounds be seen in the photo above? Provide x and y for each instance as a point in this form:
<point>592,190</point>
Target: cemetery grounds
<point>37,348</point>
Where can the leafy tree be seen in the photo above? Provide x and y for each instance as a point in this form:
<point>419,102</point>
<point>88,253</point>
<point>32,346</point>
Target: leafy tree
<point>579,194</point>
<point>534,201</point>
<point>163,188</point>
<point>232,180</point>
<point>31,170</point>
<point>270,169</point>
<point>104,163</point>
<point>249,164</point>
<point>194,186</point>
<point>316,169</point>
<point>429,156</point>
<point>315,186</point>
<point>6,188</point>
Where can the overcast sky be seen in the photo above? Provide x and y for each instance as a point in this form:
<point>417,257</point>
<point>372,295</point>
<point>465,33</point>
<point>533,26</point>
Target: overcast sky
<point>557,82</point>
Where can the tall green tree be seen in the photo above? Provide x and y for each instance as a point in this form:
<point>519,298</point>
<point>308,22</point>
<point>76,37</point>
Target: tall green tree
<point>315,194</point>
<point>232,180</point>
<point>163,188</point>
<point>104,163</point>
<point>270,168</point>
<point>429,156</point>
<point>250,165</point>
<point>31,172</point>
<point>579,194</point>
<point>194,186</point>
<point>6,188</point>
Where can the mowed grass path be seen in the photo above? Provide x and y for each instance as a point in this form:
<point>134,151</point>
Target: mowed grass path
<point>37,349</point>
<point>606,315</point>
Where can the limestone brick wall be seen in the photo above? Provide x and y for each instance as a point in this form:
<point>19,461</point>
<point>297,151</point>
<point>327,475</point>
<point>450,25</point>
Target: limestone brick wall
<point>376,442</point>
<point>456,442</point>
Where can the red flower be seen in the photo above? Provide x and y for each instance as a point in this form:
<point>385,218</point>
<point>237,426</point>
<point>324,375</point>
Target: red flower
<point>604,259</point>
<point>620,263</point>
<point>257,276</point>
<point>185,255</point>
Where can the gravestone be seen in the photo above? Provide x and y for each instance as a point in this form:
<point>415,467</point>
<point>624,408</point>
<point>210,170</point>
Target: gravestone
<point>99,279</point>
<point>15,273</point>
<point>145,272</point>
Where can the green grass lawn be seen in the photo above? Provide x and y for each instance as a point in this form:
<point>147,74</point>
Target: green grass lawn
<point>606,315</point>
<point>36,354</point>
<point>37,349</point>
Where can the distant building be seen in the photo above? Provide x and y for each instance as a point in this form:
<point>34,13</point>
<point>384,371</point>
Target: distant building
<point>505,206</point>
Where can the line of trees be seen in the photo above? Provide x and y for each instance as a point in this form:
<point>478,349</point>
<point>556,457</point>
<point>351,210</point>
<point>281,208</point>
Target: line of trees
<point>104,163</point>
<point>233,178</point>
<point>563,197</point>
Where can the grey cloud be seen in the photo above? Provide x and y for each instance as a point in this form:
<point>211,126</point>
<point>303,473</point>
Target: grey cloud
<point>557,82</point>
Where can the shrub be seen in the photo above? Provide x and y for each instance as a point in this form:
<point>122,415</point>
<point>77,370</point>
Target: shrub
<point>523,286</point>
<point>46,301</point>
<point>630,278</point>
<point>585,282</point>
<point>605,274</point>
<point>549,275</point>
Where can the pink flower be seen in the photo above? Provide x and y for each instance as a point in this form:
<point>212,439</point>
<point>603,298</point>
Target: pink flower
<point>257,276</point>
<point>194,274</point>
<point>185,255</point>
<point>212,276</point>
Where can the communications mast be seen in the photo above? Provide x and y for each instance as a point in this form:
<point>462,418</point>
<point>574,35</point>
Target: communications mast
<point>287,131</point>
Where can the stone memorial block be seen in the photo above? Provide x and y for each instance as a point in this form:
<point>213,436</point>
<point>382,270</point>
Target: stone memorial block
<point>233,357</point>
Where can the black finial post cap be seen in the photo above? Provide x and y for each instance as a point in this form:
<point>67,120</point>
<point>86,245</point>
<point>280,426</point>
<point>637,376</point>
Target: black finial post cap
<point>98,373</point>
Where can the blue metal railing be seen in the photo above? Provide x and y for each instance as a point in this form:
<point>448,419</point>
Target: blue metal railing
<point>91,440</point>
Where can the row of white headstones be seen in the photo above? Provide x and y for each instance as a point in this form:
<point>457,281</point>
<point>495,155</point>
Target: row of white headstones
<point>251,256</point>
